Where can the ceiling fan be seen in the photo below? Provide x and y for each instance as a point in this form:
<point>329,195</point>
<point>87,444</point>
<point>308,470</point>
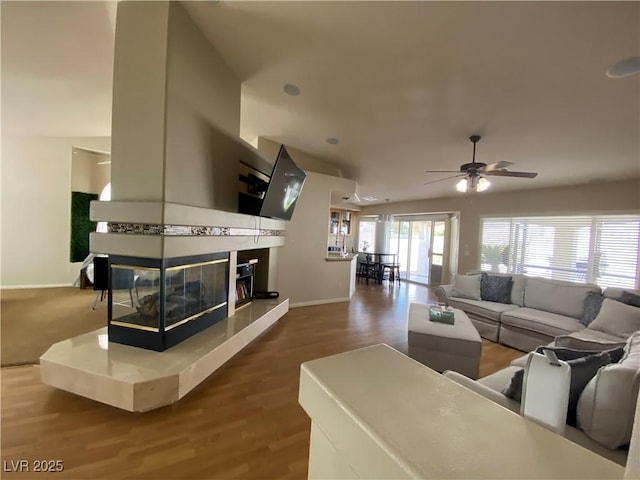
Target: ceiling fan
<point>475,172</point>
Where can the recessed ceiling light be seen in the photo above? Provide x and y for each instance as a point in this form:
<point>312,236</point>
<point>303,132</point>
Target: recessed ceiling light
<point>291,89</point>
<point>333,140</point>
<point>369,198</point>
<point>624,68</point>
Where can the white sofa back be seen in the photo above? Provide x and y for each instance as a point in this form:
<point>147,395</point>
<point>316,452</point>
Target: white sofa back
<point>557,296</point>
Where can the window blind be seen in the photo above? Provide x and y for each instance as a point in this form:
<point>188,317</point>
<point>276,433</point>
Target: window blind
<point>601,249</point>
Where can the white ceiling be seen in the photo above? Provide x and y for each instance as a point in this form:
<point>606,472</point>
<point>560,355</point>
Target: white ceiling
<point>401,84</point>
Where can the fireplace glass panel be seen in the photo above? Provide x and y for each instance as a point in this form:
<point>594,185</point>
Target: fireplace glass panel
<point>136,296</point>
<point>194,290</point>
<point>158,303</point>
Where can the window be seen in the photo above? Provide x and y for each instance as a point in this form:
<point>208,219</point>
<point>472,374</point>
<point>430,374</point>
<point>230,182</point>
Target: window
<point>601,249</point>
<point>367,234</point>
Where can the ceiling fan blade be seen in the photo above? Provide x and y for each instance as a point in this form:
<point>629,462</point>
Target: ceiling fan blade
<point>507,173</point>
<point>497,166</point>
<point>442,171</point>
<point>446,178</point>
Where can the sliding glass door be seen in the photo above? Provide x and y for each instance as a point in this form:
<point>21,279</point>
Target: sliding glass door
<point>421,244</point>
<point>411,241</point>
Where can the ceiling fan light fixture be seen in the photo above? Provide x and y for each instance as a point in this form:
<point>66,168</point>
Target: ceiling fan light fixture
<point>483,184</point>
<point>473,184</point>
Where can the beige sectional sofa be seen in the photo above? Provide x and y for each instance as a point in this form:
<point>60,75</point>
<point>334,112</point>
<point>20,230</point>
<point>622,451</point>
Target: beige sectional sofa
<point>539,310</point>
<point>536,311</point>
<point>606,406</point>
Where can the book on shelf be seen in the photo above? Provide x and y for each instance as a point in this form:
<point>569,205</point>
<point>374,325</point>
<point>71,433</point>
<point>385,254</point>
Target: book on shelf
<point>242,291</point>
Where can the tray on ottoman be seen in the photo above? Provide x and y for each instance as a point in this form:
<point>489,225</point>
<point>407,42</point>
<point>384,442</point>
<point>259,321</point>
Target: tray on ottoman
<point>442,315</point>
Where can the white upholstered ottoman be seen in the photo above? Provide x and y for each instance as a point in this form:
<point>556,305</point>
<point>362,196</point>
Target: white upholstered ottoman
<point>443,347</point>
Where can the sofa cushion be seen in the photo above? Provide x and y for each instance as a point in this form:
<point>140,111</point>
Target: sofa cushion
<point>556,296</point>
<point>592,304</point>
<point>588,339</point>
<point>616,318</point>
<point>467,286</point>
<point>518,289</point>
<point>607,405</point>
<point>495,288</point>
<point>481,308</point>
<point>538,321</point>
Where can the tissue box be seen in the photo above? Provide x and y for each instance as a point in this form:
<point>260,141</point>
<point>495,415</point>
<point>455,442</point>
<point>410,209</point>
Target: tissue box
<point>441,315</point>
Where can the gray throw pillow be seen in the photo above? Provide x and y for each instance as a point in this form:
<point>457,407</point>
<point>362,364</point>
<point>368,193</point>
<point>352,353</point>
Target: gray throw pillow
<point>514,389</point>
<point>494,288</point>
<point>630,299</point>
<point>582,371</point>
<point>584,365</point>
<point>592,304</point>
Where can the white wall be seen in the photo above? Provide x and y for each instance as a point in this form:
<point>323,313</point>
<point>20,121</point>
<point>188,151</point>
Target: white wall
<point>614,197</point>
<point>304,276</point>
<point>36,209</point>
<point>139,101</point>
<point>89,171</point>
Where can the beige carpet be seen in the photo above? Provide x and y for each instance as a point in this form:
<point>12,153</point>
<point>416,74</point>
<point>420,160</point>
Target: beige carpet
<point>32,320</point>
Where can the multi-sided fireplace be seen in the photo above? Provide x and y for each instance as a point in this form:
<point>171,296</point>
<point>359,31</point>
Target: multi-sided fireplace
<point>156,304</point>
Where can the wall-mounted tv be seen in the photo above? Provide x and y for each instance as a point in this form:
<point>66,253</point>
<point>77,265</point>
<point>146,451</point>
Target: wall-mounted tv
<point>284,188</point>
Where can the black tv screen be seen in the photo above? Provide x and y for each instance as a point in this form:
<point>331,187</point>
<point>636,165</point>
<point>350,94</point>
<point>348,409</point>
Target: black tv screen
<point>284,188</point>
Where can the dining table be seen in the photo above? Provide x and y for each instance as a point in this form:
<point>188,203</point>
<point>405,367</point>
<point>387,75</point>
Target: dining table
<point>374,263</point>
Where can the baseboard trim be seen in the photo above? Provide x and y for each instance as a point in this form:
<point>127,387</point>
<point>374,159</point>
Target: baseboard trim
<point>51,285</point>
<point>319,302</point>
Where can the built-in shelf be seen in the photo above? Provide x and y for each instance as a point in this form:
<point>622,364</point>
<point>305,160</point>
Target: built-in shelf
<point>245,282</point>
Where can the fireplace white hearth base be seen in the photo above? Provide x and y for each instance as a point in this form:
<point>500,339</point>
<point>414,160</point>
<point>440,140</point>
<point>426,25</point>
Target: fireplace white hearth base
<point>139,380</point>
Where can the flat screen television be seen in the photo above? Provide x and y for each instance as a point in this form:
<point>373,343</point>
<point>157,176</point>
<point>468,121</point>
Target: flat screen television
<point>284,188</point>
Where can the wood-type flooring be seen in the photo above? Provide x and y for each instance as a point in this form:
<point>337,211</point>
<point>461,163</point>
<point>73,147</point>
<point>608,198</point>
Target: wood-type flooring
<point>242,422</point>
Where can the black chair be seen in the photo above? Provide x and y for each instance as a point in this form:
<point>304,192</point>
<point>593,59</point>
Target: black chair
<point>122,279</point>
<point>100,278</point>
<point>393,273</point>
<point>366,267</point>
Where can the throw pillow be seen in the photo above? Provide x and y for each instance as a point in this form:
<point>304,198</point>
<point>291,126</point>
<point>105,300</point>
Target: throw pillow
<point>592,304</point>
<point>630,299</point>
<point>582,371</point>
<point>495,288</point>
<point>467,286</point>
<point>607,405</point>
<point>514,389</point>
<point>584,365</point>
<point>616,318</point>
